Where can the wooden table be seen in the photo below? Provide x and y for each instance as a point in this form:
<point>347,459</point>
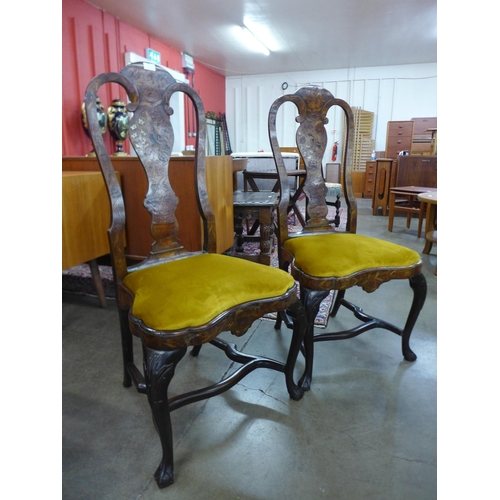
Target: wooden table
<point>259,205</point>
<point>431,219</point>
<point>409,195</point>
<point>85,222</point>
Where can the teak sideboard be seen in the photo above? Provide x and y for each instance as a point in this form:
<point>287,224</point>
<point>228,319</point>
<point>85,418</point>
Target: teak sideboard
<point>219,171</point>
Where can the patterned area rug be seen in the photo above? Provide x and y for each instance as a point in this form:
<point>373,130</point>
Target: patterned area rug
<point>79,280</point>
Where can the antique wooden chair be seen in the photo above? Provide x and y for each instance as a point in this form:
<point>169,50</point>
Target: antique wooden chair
<point>175,299</point>
<point>321,259</point>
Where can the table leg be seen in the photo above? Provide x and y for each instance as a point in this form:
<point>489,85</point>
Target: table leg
<point>96,278</point>
<point>420,218</point>
<point>392,202</point>
<point>430,226</point>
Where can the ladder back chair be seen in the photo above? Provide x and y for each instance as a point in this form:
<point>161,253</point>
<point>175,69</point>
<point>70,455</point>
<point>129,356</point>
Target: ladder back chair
<point>175,299</point>
<point>322,260</point>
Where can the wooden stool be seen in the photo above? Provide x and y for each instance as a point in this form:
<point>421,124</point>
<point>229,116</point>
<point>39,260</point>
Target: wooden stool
<point>410,196</point>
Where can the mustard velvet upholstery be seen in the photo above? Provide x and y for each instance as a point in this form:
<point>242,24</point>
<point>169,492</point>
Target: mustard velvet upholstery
<point>193,291</point>
<point>342,254</point>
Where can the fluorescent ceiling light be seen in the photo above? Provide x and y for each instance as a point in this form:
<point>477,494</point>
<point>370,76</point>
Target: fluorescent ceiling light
<point>252,42</point>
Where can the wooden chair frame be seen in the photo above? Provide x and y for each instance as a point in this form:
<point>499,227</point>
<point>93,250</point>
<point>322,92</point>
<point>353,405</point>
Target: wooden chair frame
<point>151,135</point>
<point>313,104</point>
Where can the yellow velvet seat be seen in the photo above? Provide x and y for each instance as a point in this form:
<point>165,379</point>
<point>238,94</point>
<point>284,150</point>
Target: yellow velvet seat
<point>343,254</point>
<point>319,257</point>
<point>211,284</point>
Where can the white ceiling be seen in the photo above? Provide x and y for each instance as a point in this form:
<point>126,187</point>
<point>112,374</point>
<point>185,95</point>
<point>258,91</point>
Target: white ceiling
<point>313,35</point>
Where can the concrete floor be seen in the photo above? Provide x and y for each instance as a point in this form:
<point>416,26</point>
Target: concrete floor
<point>366,430</point>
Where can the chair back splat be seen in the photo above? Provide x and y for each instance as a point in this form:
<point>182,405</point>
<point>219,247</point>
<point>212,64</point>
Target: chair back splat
<point>324,260</point>
<point>175,299</point>
<point>313,104</point>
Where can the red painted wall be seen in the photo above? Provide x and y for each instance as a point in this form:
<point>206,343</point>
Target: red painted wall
<point>95,42</point>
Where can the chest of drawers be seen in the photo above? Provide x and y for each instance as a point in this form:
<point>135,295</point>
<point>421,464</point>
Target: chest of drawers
<point>369,179</point>
<point>399,137</point>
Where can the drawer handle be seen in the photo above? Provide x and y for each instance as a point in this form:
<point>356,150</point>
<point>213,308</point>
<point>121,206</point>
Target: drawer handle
<point>426,161</point>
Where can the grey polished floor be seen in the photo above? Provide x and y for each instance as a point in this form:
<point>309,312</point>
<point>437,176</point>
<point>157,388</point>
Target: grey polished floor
<point>366,430</point>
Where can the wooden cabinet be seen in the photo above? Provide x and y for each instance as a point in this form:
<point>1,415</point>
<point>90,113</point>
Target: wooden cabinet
<point>399,138</point>
<point>369,179</point>
<point>416,170</point>
<point>181,174</point>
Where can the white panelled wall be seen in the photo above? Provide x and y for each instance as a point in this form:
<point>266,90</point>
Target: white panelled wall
<point>391,92</point>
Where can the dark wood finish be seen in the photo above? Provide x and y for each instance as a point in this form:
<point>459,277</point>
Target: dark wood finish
<point>416,170</point>
<point>181,175</point>
<point>151,135</point>
<point>313,104</point>
<point>257,206</point>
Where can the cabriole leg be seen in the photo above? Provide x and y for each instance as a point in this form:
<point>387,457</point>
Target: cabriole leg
<point>419,286</point>
<point>297,312</point>
<point>159,368</point>
<point>311,300</point>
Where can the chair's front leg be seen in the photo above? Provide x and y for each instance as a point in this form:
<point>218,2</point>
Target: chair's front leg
<point>312,300</point>
<point>419,287</point>
<point>159,368</point>
<point>298,313</point>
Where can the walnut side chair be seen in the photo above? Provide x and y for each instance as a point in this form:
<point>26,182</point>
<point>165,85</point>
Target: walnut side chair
<point>318,257</point>
<point>176,299</point>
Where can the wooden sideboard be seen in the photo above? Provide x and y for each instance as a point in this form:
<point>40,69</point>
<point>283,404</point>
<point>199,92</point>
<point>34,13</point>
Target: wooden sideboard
<point>219,170</point>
